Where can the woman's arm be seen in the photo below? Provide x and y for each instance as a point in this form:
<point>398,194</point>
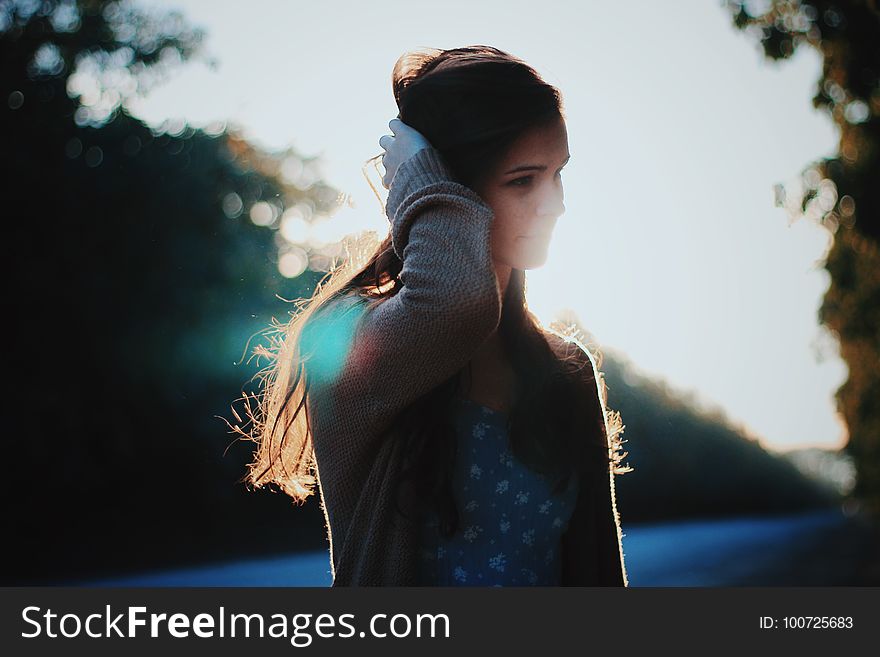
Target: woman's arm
<point>592,548</point>
<point>592,553</point>
<point>612,571</point>
<point>391,353</point>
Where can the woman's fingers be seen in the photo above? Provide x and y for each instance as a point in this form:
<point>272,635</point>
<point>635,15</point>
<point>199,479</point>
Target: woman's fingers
<point>404,143</point>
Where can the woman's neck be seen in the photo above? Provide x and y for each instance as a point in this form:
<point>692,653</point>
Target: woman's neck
<point>493,377</point>
<point>493,380</point>
<point>502,272</point>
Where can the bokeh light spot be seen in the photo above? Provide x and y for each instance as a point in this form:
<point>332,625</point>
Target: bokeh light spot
<point>857,112</point>
<point>293,262</point>
<point>73,148</point>
<point>15,100</point>
<point>262,214</point>
<point>232,205</point>
<point>294,227</point>
<point>47,61</point>
<point>94,156</point>
<point>132,145</point>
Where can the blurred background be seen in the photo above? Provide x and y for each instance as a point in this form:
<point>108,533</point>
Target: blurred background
<point>176,172</point>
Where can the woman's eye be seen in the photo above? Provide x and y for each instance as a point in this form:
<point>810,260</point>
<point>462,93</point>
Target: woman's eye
<point>526,180</point>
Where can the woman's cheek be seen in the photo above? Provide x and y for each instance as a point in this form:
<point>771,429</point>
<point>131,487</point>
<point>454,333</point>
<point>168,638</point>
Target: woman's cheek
<point>504,243</point>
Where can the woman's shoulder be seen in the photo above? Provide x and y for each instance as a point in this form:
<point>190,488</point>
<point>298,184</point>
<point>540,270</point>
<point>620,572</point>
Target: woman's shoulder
<point>571,351</point>
<point>329,331</point>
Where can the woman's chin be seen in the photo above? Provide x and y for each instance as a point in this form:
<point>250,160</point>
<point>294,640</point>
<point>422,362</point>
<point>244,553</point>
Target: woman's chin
<point>534,259</point>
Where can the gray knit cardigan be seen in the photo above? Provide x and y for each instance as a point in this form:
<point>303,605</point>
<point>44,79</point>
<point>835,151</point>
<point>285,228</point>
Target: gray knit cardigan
<point>370,361</point>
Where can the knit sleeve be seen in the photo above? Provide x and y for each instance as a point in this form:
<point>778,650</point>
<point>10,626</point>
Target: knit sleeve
<point>394,351</point>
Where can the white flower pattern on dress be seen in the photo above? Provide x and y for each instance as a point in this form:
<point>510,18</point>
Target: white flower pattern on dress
<point>529,575</point>
<point>471,533</point>
<point>500,539</point>
<point>498,562</point>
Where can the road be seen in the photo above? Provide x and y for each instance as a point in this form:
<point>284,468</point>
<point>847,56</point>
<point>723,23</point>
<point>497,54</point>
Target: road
<point>819,548</point>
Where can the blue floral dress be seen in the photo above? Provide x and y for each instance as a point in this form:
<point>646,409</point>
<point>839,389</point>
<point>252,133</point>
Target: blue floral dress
<point>510,525</point>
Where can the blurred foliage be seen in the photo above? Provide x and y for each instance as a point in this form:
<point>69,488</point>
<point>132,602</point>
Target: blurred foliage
<point>692,461</point>
<point>138,276</point>
<point>842,193</point>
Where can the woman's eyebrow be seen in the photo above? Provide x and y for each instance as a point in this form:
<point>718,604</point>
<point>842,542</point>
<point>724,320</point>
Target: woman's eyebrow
<point>534,167</point>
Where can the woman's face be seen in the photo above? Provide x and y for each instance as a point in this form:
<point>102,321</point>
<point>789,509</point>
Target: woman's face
<point>525,193</point>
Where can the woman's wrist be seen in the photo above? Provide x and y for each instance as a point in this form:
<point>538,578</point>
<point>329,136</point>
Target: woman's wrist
<point>424,168</point>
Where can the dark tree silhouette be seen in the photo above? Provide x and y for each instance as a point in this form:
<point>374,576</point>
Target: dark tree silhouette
<point>137,278</point>
<point>842,193</point>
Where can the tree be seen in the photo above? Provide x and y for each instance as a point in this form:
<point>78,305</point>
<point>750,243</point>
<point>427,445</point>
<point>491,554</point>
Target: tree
<point>141,261</point>
<point>841,193</point>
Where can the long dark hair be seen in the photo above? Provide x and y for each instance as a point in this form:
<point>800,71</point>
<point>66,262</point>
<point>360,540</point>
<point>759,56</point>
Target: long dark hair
<point>471,104</point>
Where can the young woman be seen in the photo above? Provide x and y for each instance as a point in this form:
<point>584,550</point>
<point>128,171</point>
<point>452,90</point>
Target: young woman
<point>454,440</point>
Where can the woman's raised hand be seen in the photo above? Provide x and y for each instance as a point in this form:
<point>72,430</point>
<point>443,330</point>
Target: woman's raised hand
<point>400,145</point>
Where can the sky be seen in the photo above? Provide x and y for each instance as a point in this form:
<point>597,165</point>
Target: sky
<point>671,252</point>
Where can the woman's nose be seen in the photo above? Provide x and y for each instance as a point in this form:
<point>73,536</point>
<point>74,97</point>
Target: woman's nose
<point>553,203</point>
